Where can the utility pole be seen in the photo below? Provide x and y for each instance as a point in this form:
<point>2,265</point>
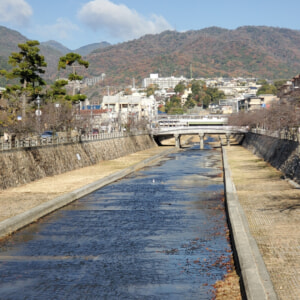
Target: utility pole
<point>74,72</point>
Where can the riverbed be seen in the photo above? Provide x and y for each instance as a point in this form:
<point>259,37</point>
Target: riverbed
<point>160,233</point>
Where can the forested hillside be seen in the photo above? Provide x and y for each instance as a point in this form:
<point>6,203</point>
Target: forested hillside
<point>247,51</point>
<point>263,52</point>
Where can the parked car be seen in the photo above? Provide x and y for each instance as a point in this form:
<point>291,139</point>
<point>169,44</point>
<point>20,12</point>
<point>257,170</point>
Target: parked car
<point>95,131</point>
<point>48,134</point>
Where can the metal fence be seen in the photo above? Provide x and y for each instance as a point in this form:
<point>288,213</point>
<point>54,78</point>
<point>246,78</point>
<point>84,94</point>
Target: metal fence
<point>51,141</point>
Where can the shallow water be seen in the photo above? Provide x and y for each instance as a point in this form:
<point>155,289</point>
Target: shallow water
<point>160,233</point>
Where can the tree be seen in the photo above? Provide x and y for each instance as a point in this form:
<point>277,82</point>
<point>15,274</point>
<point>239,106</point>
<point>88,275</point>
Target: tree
<point>267,89</point>
<point>151,89</point>
<point>179,88</point>
<point>206,100</point>
<point>70,59</point>
<point>173,106</point>
<point>262,81</point>
<point>59,116</point>
<point>11,109</point>
<point>27,64</point>
<point>215,94</point>
<point>280,83</point>
<point>196,88</point>
<point>57,91</point>
<point>190,102</point>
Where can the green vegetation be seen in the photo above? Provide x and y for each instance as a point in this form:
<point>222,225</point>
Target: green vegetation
<point>151,89</point>
<point>280,83</point>
<point>19,102</point>
<point>179,88</point>
<point>173,106</point>
<point>267,88</point>
<point>200,95</point>
<point>69,60</point>
<point>27,64</point>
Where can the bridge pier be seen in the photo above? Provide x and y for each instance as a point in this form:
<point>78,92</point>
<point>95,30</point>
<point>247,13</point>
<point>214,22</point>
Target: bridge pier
<point>228,138</point>
<point>201,136</point>
<point>177,132</point>
<point>177,140</point>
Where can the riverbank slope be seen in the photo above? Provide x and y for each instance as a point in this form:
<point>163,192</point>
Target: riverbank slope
<point>272,208</point>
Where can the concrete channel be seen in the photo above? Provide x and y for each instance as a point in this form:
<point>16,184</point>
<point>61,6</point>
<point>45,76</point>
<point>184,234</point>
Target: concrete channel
<point>255,278</point>
<point>17,222</point>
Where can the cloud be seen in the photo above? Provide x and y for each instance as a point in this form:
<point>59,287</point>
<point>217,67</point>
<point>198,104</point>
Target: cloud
<point>17,12</point>
<point>119,21</point>
<point>63,29</point>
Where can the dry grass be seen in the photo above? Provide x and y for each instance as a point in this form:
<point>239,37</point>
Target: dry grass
<point>272,208</point>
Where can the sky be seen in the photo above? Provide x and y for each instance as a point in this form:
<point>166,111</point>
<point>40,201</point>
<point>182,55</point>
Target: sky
<point>76,23</point>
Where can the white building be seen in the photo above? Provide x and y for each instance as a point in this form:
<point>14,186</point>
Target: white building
<point>162,82</point>
<point>136,105</point>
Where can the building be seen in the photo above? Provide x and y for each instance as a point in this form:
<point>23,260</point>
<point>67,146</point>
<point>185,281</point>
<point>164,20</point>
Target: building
<point>296,82</point>
<point>251,102</point>
<point>185,95</point>
<point>121,107</point>
<point>268,99</point>
<point>284,89</point>
<point>94,80</point>
<point>162,82</point>
<point>235,90</point>
<point>247,102</point>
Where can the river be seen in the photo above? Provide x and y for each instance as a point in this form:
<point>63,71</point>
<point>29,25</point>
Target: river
<point>160,233</point>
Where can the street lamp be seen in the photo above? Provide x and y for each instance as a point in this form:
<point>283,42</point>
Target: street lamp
<point>38,111</point>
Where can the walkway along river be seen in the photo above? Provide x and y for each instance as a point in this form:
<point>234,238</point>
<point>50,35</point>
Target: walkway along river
<point>160,233</point>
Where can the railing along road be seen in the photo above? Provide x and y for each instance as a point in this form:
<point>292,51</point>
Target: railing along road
<point>40,142</point>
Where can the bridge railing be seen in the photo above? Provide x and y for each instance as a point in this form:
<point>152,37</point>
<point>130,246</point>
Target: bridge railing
<point>190,120</point>
<point>196,129</point>
<point>179,117</point>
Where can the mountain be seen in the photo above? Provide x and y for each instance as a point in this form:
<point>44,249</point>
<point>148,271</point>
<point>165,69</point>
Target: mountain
<point>85,50</point>
<point>57,46</point>
<point>9,40</point>
<point>257,51</point>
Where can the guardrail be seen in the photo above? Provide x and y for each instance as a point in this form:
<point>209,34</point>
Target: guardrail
<point>41,142</point>
<point>192,117</point>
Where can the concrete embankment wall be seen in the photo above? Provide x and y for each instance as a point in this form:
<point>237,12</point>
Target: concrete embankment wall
<point>25,165</point>
<point>281,154</point>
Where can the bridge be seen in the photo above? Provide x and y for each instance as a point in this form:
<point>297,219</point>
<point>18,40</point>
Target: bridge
<point>191,120</point>
<point>160,133</point>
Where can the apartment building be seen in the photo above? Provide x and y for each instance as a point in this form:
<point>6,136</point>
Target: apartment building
<point>162,82</point>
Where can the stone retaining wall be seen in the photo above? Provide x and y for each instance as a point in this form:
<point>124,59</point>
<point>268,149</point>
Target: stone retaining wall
<point>25,165</point>
<point>280,153</point>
